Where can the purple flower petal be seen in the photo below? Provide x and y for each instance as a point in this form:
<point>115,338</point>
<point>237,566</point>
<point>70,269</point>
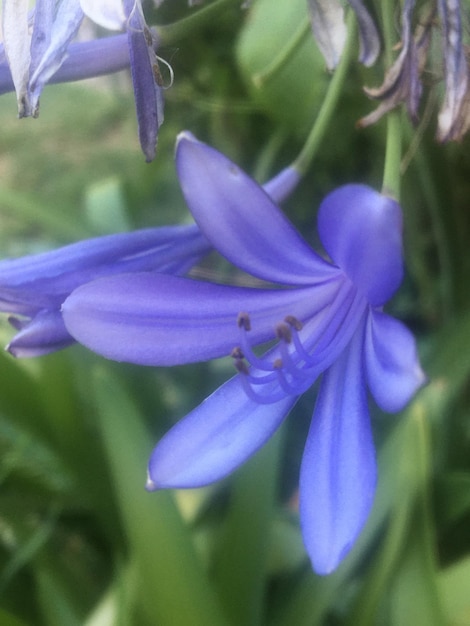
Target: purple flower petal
<point>241,221</point>
<point>393,370</point>
<point>361,230</point>
<point>368,35</point>
<point>338,473</point>
<point>283,184</point>
<point>148,91</point>
<point>45,333</point>
<point>215,438</point>
<point>171,249</point>
<point>36,286</point>
<point>85,59</point>
<point>154,319</point>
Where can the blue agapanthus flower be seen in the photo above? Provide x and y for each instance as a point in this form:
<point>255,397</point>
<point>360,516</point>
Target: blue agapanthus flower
<point>327,317</point>
<point>37,49</point>
<point>32,288</point>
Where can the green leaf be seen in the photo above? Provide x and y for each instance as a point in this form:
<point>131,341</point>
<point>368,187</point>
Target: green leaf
<point>173,587</point>
<point>453,584</point>
<point>283,68</point>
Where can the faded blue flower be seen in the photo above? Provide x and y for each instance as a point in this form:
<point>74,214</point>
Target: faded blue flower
<point>329,30</point>
<point>327,318</point>
<point>454,116</point>
<point>32,288</point>
<point>402,83</point>
<point>37,44</point>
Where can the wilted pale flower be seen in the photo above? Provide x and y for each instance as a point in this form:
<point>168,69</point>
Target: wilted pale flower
<point>326,315</point>
<point>34,287</point>
<point>329,30</point>
<point>37,43</point>
<point>402,83</point>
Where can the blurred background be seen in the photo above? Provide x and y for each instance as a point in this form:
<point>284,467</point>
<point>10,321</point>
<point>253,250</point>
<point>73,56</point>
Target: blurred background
<point>81,541</point>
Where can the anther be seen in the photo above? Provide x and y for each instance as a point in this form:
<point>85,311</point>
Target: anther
<point>241,366</point>
<point>278,364</point>
<point>283,332</point>
<point>243,321</point>
<point>294,322</point>
<point>237,353</point>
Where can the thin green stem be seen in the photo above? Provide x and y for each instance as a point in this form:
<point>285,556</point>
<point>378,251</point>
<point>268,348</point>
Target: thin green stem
<point>391,177</point>
<point>328,107</point>
<point>169,34</point>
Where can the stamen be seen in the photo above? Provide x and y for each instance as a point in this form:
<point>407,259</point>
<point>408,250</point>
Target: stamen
<point>242,367</point>
<point>293,322</point>
<point>237,353</point>
<point>243,321</point>
<point>296,386</point>
<point>283,332</point>
<point>244,324</point>
<point>260,398</point>
<point>291,367</point>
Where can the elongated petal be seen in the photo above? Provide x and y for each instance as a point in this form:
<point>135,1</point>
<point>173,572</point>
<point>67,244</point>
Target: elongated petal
<point>43,281</point>
<point>164,246</point>
<point>283,184</point>
<point>17,43</point>
<point>241,221</point>
<point>368,34</point>
<point>85,59</point>
<point>361,230</point>
<point>338,473</point>
<point>154,319</point>
<point>394,373</point>
<point>62,29</point>
<point>146,79</point>
<point>43,19</point>
<point>44,334</point>
<point>329,29</point>
<point>215,438</point>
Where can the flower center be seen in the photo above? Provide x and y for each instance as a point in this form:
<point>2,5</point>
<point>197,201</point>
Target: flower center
<point>302,352</point>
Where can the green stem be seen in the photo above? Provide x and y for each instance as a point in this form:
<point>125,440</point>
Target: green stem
<point>328,107</point>
<point>391,177</point>
<point>169,34</point>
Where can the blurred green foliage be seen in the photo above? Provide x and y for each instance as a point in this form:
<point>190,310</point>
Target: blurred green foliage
<point>81,542</point>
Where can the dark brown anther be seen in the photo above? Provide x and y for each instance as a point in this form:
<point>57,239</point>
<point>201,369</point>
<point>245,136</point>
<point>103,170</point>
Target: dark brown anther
<point>283,332</point>
<point>277,364</point>
<point>157,75</point>
<point>243,321</point>
<point>293,322</point>
<point>237,353</point>
<point>241,366</point>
